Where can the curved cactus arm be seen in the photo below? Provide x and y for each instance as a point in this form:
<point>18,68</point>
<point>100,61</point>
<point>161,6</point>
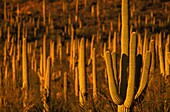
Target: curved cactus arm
<point>145,74</point>
<point>104,50</point>
<point>132,71</point>
<point>114,67</point>
<point>111,81</point>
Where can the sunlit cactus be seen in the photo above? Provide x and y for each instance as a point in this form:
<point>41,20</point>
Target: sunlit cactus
<point>111,81</point>
<point>44,54</point>
<point>14,68</point>
<point>65,87</point>
<point>24,72</point>
<point>82,73</point>
<point>152,49</point>
<point>125,27</point>
<point>130,92</point>
<point>167,72</point>
<point>132,71</point>
<point>76,82</point>
<point>94,74</point>
<point>47,86</point>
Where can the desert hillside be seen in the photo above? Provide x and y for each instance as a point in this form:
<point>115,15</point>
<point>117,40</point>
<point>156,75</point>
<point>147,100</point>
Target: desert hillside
<point>84,55</point>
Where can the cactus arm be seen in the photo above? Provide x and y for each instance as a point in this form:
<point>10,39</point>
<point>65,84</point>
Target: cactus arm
<point>168,57</point>
<point>145,74</point>
<point>152,49</point>
<point>111,81</point>
<point>161,60</point>
<point>132,72</point>
<point>114,66</point>
<point>104,50</point>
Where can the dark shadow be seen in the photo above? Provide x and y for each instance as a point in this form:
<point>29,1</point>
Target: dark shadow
<point>138,73</point>
<point>123,76</point>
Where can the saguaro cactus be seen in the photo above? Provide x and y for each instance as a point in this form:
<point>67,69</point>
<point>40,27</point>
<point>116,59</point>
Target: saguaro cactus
<point>14,68</point>
<point>130,91</point>
<point>82,74</point>
<point>132,71</point>
<point>44,54</point>
<point>76,82</point>
<point>65,87</point>
<point>47,87</point>
<point>94,74</point>
<point>24,71</point>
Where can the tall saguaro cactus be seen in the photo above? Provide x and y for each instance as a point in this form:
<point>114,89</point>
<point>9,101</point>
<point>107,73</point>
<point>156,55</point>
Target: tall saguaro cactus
<point>130,91</point>
<point>124,45</point>
<point>24,71</point>
<point>44,54</point>
<point>82,74</point>
<point>47,86</point>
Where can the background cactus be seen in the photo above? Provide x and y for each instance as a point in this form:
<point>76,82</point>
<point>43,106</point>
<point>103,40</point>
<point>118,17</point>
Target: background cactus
<point>82,73</point>
<point>24,72</point>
